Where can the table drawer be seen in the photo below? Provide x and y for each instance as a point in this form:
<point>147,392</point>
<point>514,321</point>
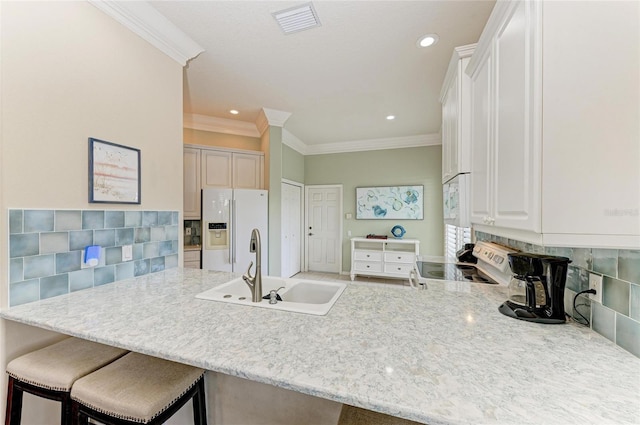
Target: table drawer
<point>367,256</point>
<point>366,266</point>
<point>398,268</point>
<point>400,257</point>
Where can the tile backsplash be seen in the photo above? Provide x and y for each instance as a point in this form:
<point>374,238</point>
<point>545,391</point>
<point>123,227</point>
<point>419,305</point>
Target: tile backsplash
<point>617,318</point>
<point>192,232</point>
<point>46,248</point>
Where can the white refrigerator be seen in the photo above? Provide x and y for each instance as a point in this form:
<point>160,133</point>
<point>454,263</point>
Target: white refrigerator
<point>228,217</point>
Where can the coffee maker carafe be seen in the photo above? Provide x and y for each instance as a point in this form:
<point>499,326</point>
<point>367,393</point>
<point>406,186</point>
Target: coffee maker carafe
<point>536,291</point>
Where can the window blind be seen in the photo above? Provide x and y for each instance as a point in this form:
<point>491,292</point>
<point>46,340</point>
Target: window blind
<point>454,239</point>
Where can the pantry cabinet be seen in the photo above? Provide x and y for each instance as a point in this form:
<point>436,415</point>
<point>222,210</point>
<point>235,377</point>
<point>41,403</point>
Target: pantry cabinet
<point>192,259</point>
<point>218,168</point>
<point>191,183</point>
<point>455,99</point>
<point>554,134</point>
<point>237,170</point>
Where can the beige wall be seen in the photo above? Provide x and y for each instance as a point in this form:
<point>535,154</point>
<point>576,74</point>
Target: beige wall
<point>69,72</point>
<point>410,166</point>
<point>210,138</point>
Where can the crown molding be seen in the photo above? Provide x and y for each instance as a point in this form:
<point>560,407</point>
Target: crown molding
<point>243,128</point>
<point>460,52</point>
<point>144,20</point>
<point>220,125</point>
<point>293,142</point>
<point>499,14</point>
<point>375,144</point>
<point>271,117</point>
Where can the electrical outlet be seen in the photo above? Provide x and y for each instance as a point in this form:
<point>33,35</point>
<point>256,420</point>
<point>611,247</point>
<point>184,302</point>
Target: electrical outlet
<point>188,231</point>
<point>595,282</point>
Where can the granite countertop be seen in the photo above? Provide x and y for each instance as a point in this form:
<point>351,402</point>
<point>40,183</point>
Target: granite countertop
<point>442,356</point>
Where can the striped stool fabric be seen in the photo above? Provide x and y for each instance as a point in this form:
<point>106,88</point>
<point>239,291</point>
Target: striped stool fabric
<point>51,371</point>
<point>138,389</point>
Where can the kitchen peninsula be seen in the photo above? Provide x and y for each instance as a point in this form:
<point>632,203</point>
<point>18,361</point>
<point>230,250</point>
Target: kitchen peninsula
<point>440,356</point>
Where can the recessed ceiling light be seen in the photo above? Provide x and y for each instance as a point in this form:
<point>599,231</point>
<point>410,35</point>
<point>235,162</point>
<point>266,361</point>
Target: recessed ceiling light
<point>428,40</point>
<point>391,117</point>
<point>234,112</point>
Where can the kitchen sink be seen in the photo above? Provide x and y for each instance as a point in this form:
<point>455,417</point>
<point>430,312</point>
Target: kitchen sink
<point>298,295</point>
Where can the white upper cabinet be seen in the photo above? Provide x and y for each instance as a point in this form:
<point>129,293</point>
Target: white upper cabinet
<point>516,158</point>
<point>555,101</point>
<point>481,149</point>
<point>455,99</point>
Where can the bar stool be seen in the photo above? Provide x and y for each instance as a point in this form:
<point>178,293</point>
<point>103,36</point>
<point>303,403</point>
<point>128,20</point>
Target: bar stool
<point>350,415</point>
<point>138,389</point>
<point>51,371</point>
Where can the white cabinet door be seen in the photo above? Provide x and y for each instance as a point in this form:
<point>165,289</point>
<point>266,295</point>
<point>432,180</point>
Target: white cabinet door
<point>516,158</point>
<point>455,98</point>
<point>216,169</point>
<point>247,171</point>
<point>450,133</point>
<point>480,142</point>
<point>563,129</point>
<point>191,183</point>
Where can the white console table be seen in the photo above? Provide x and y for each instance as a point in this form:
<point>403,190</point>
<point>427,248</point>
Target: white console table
<point>393,258</point>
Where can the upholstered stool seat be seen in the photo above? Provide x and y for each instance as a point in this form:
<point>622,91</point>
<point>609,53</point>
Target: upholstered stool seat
<point>138,389</point>
<point>51,371</point>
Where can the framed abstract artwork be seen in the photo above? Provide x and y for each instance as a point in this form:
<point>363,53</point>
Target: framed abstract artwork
<point>390,202</point>
<point>114,173</point>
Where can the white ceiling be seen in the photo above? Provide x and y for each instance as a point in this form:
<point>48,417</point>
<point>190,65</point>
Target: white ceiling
<point>340,80</point>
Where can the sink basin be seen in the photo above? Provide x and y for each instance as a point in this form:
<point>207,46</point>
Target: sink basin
<point>300,296</point>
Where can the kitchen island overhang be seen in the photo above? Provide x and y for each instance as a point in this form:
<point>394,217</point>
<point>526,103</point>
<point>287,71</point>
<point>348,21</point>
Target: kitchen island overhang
<point>442,356</point>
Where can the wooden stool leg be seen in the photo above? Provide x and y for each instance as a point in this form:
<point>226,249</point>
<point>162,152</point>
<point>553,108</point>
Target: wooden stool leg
<point>13,415</point>
<point>65,409</point>
<point>200,404</point>
<point>78,417</point>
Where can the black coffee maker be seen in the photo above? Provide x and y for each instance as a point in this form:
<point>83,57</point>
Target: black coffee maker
<point>536,291</point>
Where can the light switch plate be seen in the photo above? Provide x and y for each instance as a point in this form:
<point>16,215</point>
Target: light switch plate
<point>127,252</point>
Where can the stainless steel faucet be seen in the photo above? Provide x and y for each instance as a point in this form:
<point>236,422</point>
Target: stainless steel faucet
<point>255,282</point>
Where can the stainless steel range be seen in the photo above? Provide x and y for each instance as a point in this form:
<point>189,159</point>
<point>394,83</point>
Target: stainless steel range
<point>451,271</point>
<point>492,266</point>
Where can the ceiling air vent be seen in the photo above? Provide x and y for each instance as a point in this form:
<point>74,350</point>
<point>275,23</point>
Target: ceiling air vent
<point>297,18</point>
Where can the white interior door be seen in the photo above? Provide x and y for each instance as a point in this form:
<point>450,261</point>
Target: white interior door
<point>291,244</point>
<point>324,228</point>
